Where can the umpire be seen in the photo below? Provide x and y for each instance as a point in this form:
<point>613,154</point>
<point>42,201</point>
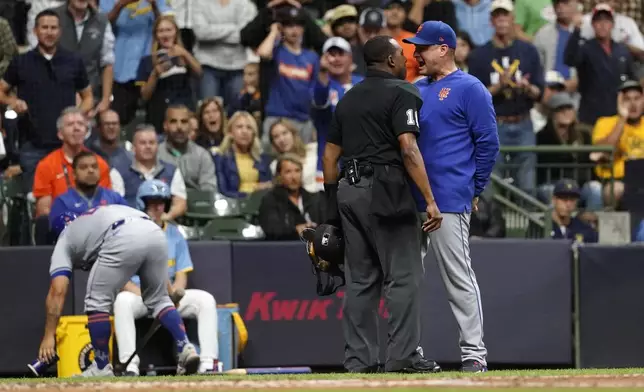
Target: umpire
<point>374,131</point>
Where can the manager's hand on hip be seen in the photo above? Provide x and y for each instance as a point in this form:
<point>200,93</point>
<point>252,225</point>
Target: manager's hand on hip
<point>434,218</point>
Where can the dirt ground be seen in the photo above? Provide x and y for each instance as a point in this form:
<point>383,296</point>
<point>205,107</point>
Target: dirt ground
<point>550,382</point>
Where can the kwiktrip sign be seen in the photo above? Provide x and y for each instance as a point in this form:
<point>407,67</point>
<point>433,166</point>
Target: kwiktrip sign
<point>270,306</point>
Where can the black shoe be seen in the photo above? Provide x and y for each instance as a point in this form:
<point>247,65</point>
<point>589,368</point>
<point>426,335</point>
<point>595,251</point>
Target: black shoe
<point>130,373</point>
<point>421,366</point>
<point>472,366</point>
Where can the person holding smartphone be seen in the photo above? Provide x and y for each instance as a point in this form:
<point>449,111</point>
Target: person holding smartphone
<point>164,76</point>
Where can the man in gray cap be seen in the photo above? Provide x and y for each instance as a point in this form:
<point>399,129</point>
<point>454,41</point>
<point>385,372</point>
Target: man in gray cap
<point>372,23</point>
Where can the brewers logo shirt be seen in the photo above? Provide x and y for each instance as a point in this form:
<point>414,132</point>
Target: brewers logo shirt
<point>521,60</point>
<point>291,84</point>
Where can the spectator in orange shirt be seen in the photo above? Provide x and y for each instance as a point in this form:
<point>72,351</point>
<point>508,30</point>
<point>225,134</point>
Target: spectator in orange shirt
<point>54,173</point>
<point>396,13</point>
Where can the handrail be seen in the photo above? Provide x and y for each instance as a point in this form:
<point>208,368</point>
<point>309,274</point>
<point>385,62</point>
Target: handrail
<point>544,224</point>
<point>573,149</point>
<point>513,189</point>
<point>555,149</point>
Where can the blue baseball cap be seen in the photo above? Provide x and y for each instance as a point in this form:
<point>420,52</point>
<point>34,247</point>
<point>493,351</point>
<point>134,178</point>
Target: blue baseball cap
<point>566,187</point>
<point>433,33</point>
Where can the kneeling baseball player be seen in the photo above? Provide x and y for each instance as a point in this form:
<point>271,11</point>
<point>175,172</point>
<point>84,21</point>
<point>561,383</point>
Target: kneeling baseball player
<point>154,198</point>
<point>113,242</point>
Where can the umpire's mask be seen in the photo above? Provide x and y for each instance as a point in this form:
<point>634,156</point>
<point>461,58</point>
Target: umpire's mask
<point>325,247</point>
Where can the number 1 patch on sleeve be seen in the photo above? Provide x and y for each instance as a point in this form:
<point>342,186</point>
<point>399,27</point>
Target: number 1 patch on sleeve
<point>412,117</point>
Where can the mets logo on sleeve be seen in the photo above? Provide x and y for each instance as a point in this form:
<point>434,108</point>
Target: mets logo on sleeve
<point>443,93</point>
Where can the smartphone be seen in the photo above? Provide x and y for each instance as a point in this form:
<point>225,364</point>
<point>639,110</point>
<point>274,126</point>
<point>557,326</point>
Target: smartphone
<point>163,56</point>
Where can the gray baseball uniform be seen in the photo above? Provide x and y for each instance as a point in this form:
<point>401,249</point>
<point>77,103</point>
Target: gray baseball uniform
<point>115,242</point>
<point>451,248</point>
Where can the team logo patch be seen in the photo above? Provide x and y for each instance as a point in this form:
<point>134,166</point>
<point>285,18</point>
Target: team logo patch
<point>85,357</point>
<point>443,93</point>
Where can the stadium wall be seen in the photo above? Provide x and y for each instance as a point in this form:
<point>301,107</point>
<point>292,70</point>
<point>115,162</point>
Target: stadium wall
<point>527,289</point>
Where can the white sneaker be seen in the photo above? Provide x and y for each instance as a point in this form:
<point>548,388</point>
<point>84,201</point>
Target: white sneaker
<point>189,361</point>
<point>210,367</point>
<point>94,371</point>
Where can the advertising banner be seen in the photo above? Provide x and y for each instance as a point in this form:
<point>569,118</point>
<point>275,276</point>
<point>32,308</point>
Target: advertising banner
<point>525,289</point>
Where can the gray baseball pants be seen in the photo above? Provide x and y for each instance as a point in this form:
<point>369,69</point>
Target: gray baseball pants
<point>138,246</point>
<point>451,247</point>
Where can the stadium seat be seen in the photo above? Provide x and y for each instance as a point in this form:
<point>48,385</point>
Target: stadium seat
<point>231,229</point>
<point>14,211</point>
<point>210,205</point>
<point>249,206</point>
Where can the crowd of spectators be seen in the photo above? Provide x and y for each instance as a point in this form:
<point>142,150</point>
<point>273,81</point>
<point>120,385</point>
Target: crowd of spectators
<point>236,96</point>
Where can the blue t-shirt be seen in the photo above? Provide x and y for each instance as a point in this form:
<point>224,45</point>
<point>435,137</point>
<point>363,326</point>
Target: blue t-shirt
<point>325,99</point>
<point>290,88</point>
<point>458,140</point>
<point>133,35</point>
<point>562,40</point>
<point>475,20</point>
<point>73,201</point>
<point>179,259</point>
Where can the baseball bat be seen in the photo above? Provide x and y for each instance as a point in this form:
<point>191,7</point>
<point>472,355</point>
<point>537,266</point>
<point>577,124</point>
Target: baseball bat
<point>156,325</point>
<point>38,367</point>
<point>270,370</point>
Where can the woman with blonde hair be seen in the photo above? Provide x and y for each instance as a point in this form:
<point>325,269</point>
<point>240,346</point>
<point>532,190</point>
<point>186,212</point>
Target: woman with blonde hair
<point>241,166</point>
<point>285,138</point>
<point>164,76</point>
<point>212,123</point>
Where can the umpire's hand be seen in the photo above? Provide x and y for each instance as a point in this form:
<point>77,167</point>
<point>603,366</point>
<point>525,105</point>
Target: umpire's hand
<point>434,218</point>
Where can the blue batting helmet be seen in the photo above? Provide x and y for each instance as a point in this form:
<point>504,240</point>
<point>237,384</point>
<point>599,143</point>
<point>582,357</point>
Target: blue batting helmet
<point>153,189</point>
<point>59,223</point>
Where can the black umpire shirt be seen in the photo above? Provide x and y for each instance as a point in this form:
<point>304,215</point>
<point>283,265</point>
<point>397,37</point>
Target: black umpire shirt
<point>370,117</point>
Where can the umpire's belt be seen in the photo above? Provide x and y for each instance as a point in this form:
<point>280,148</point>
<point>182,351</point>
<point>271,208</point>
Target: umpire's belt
<point>364,170</point>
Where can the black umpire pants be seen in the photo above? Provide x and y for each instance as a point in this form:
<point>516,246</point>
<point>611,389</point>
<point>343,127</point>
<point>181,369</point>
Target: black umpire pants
<point>381,257</point>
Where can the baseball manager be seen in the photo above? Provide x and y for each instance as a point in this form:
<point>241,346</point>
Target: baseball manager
<point>459,142</point>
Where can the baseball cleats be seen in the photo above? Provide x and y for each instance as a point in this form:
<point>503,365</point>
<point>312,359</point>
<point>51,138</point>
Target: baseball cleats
<point>189,361</point>
<point>472,366</point>
<point>94,371</point>
<point>422,366</point>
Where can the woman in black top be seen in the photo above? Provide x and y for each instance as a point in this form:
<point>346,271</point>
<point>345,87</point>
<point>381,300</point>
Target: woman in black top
<point>164,76</point>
